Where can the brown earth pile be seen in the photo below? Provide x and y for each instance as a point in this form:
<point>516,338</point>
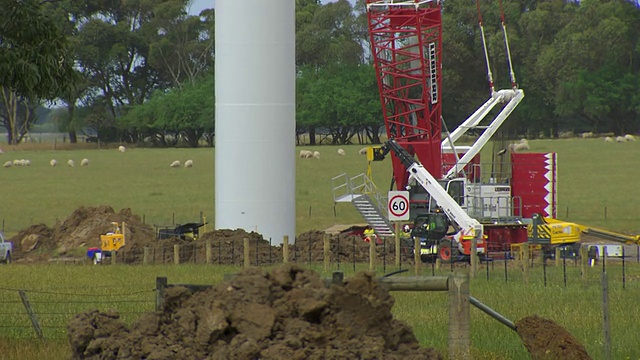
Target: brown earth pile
<point>82,229</point>
<point>286,314</point>
<point>544,339</point>
<point>344,248</point>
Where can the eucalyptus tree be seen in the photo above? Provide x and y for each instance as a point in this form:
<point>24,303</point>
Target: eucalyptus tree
<point>34,64</point>
<point>129,49</point>
<point>185,113</point>
<point>182,47</point>
<point>595,64</point>
<point>328,37</point>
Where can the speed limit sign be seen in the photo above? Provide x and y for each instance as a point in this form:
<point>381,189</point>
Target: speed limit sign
<point>398,206</point>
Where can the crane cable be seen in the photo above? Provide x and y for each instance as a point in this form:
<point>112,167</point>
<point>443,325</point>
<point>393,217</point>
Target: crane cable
<point>484,45</point>
<point>514,85</point>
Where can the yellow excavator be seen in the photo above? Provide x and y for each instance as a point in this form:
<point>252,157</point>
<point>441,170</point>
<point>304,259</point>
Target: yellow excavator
<point>548,233</point>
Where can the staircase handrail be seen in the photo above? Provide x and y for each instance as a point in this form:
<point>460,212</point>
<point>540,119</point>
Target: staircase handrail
<point>380,201</point>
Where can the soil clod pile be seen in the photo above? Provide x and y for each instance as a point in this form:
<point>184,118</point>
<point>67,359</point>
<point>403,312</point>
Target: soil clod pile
<point>287,313</point>
<point>69,239</point>
<point>82,228</point>
<point>544,339</point>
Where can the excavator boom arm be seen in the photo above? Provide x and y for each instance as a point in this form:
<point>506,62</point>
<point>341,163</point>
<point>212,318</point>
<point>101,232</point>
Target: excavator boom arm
<point>469,226</point>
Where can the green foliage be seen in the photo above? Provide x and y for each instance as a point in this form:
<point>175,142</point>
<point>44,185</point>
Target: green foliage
<point>342,99</point>
<point>180,46</point>
<point>34,57</point>
<point>327,35</point>
<point>188,111</point>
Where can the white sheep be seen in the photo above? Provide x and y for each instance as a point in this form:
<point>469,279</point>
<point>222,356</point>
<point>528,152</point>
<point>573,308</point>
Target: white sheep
<point>316,154</point>
<point>71,163</point>
<point>620,139</point>
<point>341,152</point>
<point>26,162</point>
<point>17,162</point>
<point>53,162</point>
<point>122,149</point>
<point>630,137</point>
<point>8,164</point>
<point>363,151</point>
<point>519,146</point>
<point>84,162</point>
<point>586,135</point>
<point>306,154</point>
<point>608,139</point>
<point>188,163</point>
<point>175,164</point>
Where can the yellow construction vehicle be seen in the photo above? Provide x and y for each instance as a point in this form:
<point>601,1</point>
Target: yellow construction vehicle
<point>111,241</point>
<point>550,231</point>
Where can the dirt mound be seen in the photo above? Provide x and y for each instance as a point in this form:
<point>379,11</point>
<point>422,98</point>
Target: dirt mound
<point>544,339</point>
<point>343,248</point>
<point>285,314</point>
<point>227,248</point>
<point>81,229</point>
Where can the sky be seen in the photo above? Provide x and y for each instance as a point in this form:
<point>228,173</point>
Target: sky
<point>198,5</point>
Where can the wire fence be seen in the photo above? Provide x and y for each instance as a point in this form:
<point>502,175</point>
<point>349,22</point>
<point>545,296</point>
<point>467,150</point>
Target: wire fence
<point>52,310</point>
<point>27,313</point>
<point>342,252</point>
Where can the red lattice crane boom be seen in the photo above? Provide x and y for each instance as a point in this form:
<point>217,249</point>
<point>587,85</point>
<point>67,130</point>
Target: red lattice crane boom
<point>406,43</point>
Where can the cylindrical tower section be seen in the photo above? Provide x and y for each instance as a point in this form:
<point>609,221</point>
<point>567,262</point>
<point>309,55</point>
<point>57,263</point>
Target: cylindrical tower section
<point>255,116</point>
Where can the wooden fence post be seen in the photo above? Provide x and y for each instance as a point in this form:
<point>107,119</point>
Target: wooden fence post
<point>31,313</point>
<point>247,262</point>
<point>372,253</point>
<point>145,256</point>
<point>285,249</point>
<point>525,262</point>
<point>605,321</point>
<point>176,254</point>
<point>207,248</point>
<point>459,317</point>
<point>474,258</point>
<point>397,224</point>
<point>161,285</point>
<point>113,257</point>
<point>416,254</point>
<point>326,251</point>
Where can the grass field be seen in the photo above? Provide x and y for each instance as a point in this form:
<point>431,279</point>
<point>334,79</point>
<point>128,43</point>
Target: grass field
<point>595,184</point>
<point>57,292</point>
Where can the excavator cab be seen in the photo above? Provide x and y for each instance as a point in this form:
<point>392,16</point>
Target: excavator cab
<point>432,230</point>
<point>432,226</point>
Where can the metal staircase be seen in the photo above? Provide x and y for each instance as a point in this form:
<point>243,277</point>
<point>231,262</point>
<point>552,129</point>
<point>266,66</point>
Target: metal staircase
<point>363,194</point>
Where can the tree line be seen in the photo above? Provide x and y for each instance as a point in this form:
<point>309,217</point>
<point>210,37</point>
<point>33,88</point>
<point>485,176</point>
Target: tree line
<point>142,71</point>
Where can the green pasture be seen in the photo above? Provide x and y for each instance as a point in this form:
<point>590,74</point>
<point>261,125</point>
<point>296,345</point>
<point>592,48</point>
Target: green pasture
<point>596,184</point>
<point>56,292</point>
